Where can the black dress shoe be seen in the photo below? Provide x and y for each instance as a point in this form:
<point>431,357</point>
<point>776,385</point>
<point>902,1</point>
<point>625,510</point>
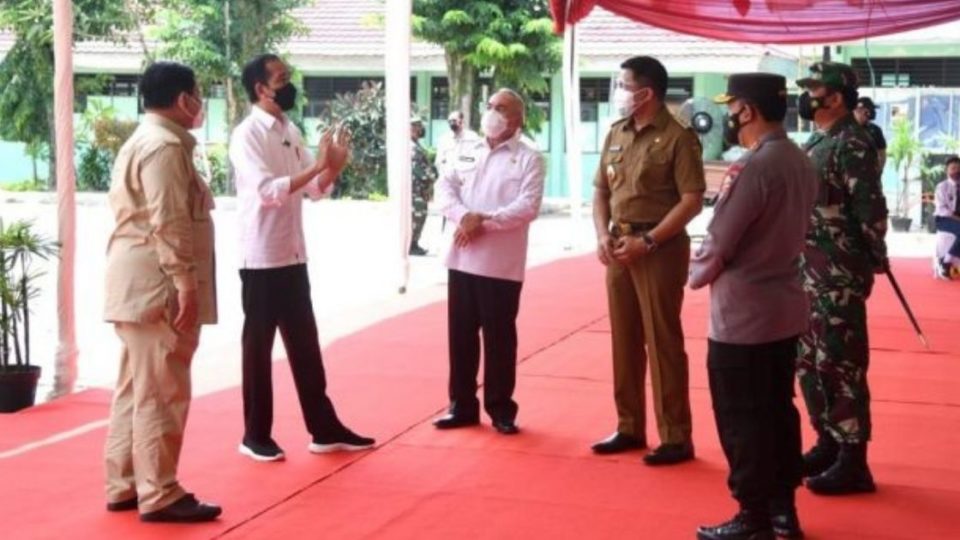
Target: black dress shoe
<point>186,509</point>
<point>453,421</point>
<point>669,454</point>
<point>743,526</point>
<point>345,440</point>
<point>617,443</point>
<point>417,251</point>
<point>506,427</point>
<point>122,506</point>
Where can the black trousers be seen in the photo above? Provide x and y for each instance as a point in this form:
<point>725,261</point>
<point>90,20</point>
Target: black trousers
<point>759,426</point>
<point>279,298</point>
<point>481,305</point>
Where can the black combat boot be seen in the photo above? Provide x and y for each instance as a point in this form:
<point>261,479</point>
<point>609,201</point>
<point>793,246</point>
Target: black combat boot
<point>746,525</point>
<point>850,474</point>
<point>783,516</point>
<point>823,454</point>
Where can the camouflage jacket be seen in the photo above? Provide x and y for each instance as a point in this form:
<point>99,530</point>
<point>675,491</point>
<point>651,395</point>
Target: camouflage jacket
<point>424,173</point>
<point>845,242</point>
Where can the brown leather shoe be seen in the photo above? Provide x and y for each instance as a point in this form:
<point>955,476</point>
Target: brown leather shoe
<point>186,509</point>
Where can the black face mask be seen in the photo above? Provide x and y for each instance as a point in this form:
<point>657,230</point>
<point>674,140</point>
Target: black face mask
<point>286,96</point>
<point>731,128</point>
<point>807,105</point>
<point>454,126</point>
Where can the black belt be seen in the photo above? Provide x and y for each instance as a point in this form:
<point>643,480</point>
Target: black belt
<point>622,228</point>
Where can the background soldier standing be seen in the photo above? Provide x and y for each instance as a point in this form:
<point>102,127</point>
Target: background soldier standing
<point>424,176</point>
<point>845,247</point>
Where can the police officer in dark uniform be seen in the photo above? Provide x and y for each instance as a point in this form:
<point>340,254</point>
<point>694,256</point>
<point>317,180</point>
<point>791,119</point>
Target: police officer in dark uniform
<point>758,308</point>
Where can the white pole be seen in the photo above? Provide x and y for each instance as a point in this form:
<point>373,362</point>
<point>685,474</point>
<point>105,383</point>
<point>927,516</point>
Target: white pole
<point>66,360</point>
<point>397,70</point>
<point>571,91</point>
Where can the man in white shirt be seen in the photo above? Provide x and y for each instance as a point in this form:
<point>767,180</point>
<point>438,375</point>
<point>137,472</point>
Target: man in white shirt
<point>450,141</point>
<point>947,215</point>
<point>274,172</point>
<point>492,192</point>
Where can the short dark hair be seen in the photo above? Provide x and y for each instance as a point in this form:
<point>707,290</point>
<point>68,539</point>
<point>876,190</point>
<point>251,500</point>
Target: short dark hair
<point>648,72</point>
<point>163,82</point>
<point>772,110</point>
<point>952,159</point>
<point>256,72</point>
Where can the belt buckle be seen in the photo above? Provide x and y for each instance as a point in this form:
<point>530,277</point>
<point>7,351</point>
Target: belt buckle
<point>624,229</point>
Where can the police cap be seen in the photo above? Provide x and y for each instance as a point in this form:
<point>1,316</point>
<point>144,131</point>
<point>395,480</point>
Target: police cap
<point>759,88</point>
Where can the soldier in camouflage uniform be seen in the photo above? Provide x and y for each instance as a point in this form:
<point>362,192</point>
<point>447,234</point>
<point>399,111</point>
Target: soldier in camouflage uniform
<point>424,175</point>
<point>844,249</point>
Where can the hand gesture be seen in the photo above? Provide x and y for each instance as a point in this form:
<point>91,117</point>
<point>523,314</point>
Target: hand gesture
<point>628,248</point>
<point>605,249</point>
<point>338,152</point>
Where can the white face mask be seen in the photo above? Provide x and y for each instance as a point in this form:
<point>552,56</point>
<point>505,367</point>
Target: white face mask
<point>624,102</point>
<point>197,121</point>
<point>493,123</point>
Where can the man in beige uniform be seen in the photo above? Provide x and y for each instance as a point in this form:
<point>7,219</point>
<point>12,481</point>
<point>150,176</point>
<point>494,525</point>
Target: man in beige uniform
<point>160,289</point>
<point>649,185</point>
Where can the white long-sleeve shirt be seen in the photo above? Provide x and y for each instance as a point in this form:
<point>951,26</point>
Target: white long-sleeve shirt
<point>506,183</point>
<point>945,198</point>
<point>266,152</point>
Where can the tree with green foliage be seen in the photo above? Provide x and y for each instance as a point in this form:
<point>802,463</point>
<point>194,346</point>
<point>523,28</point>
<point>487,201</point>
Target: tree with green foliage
<point>511,40</point>
<point>26,73</point>
<point>217,37</point>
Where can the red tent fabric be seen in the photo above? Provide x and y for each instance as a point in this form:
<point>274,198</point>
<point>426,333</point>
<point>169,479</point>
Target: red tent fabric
<point>771,21</point>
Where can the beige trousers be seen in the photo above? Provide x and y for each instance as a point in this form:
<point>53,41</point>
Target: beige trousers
<point>645,298</point>
<point>149,414</point>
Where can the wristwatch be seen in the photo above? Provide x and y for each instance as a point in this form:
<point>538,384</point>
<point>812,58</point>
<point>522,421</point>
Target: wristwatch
<point>649,241</point>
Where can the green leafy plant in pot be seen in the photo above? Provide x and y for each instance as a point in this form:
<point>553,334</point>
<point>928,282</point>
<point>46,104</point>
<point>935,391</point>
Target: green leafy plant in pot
<point>904,150</point>
<point>20,246</point>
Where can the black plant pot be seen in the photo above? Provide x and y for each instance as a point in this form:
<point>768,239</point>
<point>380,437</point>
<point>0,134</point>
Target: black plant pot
<point>901,224</point>
<point>18,387</point>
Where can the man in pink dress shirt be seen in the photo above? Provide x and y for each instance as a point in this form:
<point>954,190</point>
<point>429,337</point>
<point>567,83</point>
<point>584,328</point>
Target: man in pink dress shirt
<point>275,171</point>
<point>492,191</point>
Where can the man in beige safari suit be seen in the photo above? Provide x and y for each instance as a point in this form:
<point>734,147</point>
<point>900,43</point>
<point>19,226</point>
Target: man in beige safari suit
<point>160,289</point>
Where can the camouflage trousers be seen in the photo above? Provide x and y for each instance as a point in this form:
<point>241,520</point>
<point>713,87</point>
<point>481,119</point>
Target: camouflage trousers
<point>419,217</point>
<point>832,365</point>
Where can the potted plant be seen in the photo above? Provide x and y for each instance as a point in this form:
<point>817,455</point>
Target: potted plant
<point>903,150</point>
<point>19,246</point>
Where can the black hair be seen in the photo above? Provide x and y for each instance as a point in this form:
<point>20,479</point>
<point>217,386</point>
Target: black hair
<point>256,72</point>
<point>648,72</point>
<point>163,82</point>
<point>952,159</point>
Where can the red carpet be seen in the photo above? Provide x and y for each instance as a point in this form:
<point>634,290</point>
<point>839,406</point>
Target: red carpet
<point>389,380</point>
